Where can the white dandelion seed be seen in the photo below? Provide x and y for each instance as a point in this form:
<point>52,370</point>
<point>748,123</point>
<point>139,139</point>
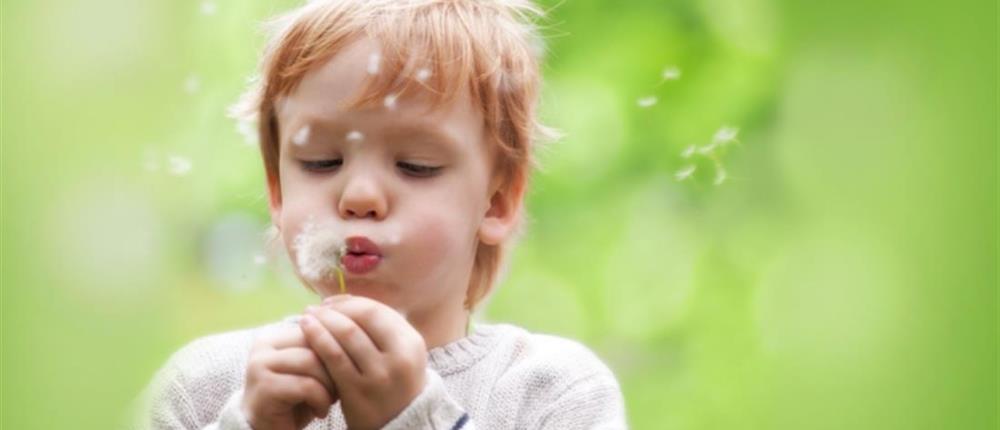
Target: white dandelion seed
<point>374,61</point>
<point>689,151</point>
<point>645,102</point>
<point>192,84</point>
<point>725,135</point>
<point>707,149</point>
<point>423,75</point>
<point>390,101</point>
<point>684,172</point>
<point>354,136</point>
<point>318,250</point>
<point>178,166</point>
<point>671,73</point>
<point>720,175</point>
<point>259,259</point>
<point>208,8</point>
<point>302,136</point>
<point>248,130</point>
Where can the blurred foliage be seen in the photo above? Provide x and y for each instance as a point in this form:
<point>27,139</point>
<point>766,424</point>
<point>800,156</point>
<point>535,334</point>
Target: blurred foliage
<point>843,276</point>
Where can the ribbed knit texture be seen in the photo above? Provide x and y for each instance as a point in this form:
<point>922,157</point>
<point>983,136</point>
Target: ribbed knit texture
<point>498,377</point>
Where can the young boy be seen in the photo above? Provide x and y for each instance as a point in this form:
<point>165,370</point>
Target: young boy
<point>397,139</point>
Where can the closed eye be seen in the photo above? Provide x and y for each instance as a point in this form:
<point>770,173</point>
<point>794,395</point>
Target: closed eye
<point>320,166</point>
<point>418,170</point>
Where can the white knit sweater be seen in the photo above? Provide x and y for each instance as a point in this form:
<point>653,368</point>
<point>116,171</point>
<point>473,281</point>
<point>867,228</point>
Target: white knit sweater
<point>498,377</point>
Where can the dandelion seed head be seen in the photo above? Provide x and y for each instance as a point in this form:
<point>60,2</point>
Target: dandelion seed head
<point>301,137</point>
<point>178,166</point>
<point>645,102</point>
<point>318,250</point>
<point>685,172</point>
<point>671,73</point>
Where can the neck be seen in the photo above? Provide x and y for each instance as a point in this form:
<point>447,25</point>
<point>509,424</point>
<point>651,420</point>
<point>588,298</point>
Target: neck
<point>440,327</point>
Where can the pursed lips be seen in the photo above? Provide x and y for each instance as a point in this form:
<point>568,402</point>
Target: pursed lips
<point>362,256</point>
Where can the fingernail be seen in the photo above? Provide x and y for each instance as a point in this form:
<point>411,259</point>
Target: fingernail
<point>311,308</point>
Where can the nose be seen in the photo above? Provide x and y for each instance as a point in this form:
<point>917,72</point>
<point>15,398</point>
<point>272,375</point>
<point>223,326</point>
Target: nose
<point>362,198</point>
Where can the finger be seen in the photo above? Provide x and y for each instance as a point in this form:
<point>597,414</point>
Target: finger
<point>351,337</point>
<point>295,389</point>
<point>303,415</point>
<point>386,327</point>
<point>338,364</point>
<point>302,362</point>
<point>283,336</point>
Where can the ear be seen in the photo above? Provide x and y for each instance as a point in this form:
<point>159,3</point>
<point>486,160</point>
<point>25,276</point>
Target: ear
<point>274,202</point>
<point>504,211</point>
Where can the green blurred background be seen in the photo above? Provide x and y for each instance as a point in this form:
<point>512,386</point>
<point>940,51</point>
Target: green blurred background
<point>843,276</point>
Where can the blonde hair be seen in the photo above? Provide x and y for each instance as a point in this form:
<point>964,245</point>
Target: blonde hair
<point>491,48</point>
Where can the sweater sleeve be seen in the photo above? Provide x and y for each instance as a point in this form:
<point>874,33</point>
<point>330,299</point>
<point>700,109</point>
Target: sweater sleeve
<point>166,404</point>
<point>231,417</point>
<point>592,402</point>
<point>199,387</point>
<point>432,409</point>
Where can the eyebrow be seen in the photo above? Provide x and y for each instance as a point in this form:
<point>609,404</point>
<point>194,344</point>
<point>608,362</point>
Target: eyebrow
<point>434,133</point>
<point>428,132</point>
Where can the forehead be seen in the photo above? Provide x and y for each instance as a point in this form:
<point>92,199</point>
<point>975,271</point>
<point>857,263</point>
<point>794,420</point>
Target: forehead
<point>323,95</point>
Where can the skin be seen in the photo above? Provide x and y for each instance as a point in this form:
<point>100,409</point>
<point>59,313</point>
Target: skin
<point>368,349</point>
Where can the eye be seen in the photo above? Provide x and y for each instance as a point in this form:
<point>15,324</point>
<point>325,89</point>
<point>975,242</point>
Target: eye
<point>320,166</point>
<point>418,170</point>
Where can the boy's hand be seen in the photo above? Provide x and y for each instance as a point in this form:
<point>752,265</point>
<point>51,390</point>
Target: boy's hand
<point>287,385</point>
<point>375,357</point>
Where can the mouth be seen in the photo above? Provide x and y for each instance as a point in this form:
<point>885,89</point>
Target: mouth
<point>362,255</point>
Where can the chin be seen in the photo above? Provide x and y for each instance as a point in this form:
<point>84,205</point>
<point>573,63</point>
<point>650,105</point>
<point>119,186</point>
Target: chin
<point>371,289</point>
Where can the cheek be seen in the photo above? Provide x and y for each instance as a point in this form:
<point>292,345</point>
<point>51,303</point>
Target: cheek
<point>300,201</point>
<point>291,223</point>
<point>440,242</point>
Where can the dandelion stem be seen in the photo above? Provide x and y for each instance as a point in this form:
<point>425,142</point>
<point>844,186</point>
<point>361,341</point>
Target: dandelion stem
<point>340,278</point>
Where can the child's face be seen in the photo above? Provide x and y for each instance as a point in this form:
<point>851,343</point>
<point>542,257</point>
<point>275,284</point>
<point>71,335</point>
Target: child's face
<point>426,224</point>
